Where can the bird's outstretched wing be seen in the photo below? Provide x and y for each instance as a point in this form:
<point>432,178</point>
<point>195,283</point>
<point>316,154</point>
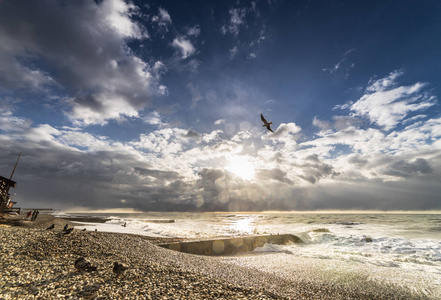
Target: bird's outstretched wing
<point>266,123</point>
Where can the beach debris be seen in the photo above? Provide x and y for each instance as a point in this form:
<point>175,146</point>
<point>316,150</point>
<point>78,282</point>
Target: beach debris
<point>119,268</point>
<point>83,229</point>
<point>81,264</point>
<point>51,227</point>
<point>266,123</point>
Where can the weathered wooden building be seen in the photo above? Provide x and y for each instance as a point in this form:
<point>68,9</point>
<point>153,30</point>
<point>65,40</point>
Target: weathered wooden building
<point>5,199</point>
<point>6,204</point>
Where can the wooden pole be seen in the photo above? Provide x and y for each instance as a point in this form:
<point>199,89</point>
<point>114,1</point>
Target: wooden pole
<point>15,166</point>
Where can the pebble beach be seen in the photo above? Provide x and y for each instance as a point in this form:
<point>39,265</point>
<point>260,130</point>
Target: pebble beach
<point>37,263</point>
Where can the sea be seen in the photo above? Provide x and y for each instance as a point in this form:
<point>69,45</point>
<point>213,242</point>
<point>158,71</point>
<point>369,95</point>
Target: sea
<point>402,249</point>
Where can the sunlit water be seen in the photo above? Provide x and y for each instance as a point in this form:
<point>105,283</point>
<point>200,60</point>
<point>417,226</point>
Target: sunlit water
<point>405,245</point>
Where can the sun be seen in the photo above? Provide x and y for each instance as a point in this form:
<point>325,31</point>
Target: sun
<point>241,167</point>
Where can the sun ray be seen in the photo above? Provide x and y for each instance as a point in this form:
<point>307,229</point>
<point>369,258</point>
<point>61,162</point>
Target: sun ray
<point>241,167</point>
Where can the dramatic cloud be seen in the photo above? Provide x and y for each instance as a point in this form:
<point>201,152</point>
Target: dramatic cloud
<point>115,105</point>
<point>171,168</point>
<point>92,70</point>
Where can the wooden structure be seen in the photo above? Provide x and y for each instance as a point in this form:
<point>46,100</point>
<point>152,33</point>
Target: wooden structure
<point>5,198</point>
<point>6,205</point>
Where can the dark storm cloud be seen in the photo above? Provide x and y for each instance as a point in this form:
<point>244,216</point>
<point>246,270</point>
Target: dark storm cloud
<point>63,178</point>
<point>314,171</point>
<point>77,48</point>
<point>157,174</point>
<point>274,174</point>
<point>418,194</point>
<point>405,169</point>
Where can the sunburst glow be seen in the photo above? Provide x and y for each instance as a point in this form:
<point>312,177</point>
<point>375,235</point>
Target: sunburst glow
<point>241,167</point>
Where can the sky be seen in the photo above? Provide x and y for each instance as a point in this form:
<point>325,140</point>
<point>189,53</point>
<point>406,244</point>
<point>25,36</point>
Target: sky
<point>155,105</point>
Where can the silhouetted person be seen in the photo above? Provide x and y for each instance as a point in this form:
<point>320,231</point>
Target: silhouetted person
<point>34,215</point>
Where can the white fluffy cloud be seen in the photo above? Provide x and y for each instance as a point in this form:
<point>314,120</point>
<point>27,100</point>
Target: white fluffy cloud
<point>184,46</point>
<point>387,105</point>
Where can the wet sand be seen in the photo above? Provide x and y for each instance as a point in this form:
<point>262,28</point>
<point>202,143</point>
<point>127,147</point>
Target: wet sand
<point>39,264</point>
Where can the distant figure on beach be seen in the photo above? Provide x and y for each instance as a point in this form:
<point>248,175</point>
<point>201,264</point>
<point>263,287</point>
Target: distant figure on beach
<point>119,268</point>
<point>266,123</point>
<point>35,215</point>
<point>51,227</point>
<point>65,227</point>
<point>28,215</point>
<point>124,225</point>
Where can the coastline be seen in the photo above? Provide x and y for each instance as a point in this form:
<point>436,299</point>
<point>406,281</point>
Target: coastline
<point>38,263</point>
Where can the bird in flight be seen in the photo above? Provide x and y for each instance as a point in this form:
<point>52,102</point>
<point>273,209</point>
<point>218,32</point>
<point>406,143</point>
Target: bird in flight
<point>266,123</point>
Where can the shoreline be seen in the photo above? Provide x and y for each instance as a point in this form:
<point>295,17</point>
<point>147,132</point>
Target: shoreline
<point>38,263</point>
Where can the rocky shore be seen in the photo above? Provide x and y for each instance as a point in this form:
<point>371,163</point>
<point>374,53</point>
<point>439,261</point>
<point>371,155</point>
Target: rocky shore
<point>36,263</point>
